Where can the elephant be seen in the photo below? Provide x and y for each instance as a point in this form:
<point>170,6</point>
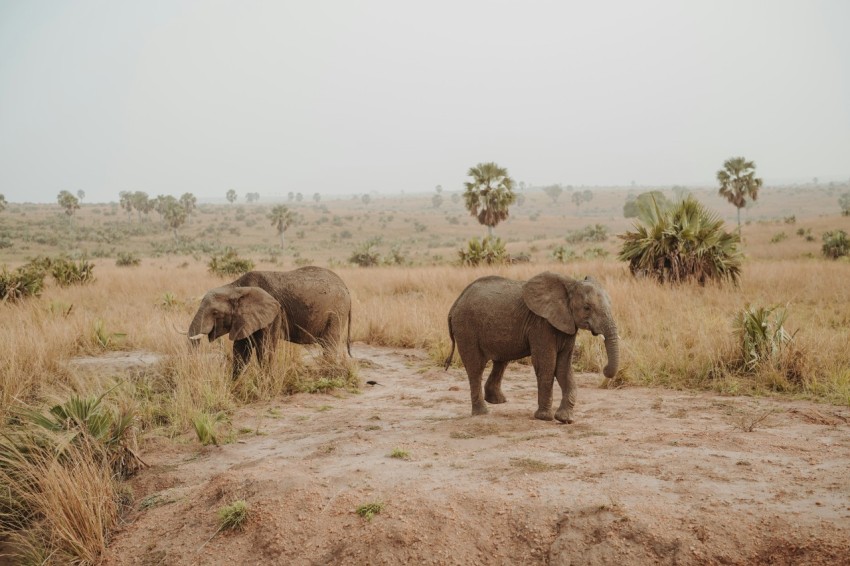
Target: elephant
<point>308,305</point>
<point>503,320</point>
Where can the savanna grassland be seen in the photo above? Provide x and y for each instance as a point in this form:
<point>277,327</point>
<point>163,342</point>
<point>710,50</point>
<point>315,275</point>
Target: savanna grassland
<point>678,337</point>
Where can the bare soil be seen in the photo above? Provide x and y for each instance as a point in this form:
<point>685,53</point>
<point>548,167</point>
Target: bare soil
<point>644,476</point>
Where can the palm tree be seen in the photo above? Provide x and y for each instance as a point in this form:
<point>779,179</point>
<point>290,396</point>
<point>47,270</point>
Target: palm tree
<point>489,194</point>
<point>174,213</point>
<point>188,202</point>
<point>738,183</point>
<point>282,218</point>
<point>69,202</point>
<point>680,243</point>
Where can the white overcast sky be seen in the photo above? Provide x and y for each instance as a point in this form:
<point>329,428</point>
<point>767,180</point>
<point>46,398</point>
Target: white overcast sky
<point>392,95</point>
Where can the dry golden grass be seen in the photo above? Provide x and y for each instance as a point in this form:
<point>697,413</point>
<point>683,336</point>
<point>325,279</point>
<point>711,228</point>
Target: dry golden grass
<point>670,336</point>
<point>71,503</point>
<point>679,337</point>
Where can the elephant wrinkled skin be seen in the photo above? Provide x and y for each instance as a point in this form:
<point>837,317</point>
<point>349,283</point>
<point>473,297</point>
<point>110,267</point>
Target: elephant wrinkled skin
<point>502,320</point>
<point>308,305</point>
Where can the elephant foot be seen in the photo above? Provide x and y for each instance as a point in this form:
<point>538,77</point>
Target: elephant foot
<point>543,415</point>
<point>479,409</point>
<point>564,416</point>
<point>495,398</point>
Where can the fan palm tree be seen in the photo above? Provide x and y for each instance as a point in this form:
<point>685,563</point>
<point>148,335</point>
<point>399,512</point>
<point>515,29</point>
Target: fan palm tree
<point>489,194</point>
<point>174,213</point>
<point>282,218</point>
<point>69,202</point>
<point>681,243</point>
<point>189,202</point>
<point>738,183</point>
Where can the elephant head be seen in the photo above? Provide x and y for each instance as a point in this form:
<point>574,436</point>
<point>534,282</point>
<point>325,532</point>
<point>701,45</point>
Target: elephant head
<point>569,305</point>
<point>237,311</point>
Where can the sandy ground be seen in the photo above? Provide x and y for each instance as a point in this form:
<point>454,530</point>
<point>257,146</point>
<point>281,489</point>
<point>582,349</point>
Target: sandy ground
<point>644,476</point>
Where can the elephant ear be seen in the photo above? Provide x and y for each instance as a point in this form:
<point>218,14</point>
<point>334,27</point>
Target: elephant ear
<point>253,309</point>
<point>546,296</point>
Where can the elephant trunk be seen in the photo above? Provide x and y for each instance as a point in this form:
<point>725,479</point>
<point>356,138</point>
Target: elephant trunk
<point>195,333</point>
<point>612,348</point>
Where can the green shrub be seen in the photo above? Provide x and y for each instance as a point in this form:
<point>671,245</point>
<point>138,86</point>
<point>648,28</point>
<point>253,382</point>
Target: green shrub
<point>68,272</point>
<point>369,510</point>
<point>395,256</point>
<point>206,427</point>
<point>595,233</point>
<point>835,244</point>
<point>489,251</point>
<point>83,420</point>
<point>684,243</point>
<point>366,255</point>
<point>26,281</point>
<point>563,254</point>
<point>761,334</point>
<point>778,237</point>
<point>233,516</point>
<point>229,263</point>
<point>595,252</point>
<point>634,205</point>
<point>127,259</point>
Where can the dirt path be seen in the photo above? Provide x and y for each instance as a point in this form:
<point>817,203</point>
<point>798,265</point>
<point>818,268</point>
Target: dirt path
<point>643,476</point>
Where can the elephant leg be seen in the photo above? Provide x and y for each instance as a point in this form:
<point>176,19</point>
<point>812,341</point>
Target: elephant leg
<point>493,387</point>
<point>543,361</point>
<point>334,339</point>
<point>566,379</point>
<point>266,344</point>
<point>242,350</point>
<point>474,364</point>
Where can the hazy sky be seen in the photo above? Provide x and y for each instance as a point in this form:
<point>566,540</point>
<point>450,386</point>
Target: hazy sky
<point>354,96</point>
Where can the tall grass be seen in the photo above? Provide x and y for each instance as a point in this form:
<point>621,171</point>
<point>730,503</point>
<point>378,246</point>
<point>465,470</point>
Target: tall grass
<point>675,337</point>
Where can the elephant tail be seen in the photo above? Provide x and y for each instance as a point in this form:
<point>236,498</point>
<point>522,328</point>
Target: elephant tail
<point>448,361</point>
<point>348,336</point>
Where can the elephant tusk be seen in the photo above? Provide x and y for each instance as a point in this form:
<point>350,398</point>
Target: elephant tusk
<point>196,336</point>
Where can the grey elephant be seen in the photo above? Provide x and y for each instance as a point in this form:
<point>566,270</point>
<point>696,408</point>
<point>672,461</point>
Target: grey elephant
<point>502,320</point>
<point>308,305</point>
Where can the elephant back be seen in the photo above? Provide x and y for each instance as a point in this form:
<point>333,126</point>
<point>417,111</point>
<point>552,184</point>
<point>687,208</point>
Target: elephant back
<point>310,298</point>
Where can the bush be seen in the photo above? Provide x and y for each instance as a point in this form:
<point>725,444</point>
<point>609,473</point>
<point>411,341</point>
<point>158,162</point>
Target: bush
<point>765,345</point>
<point>396,256</point>
<point>366,255</point>
<point>69,272</point>
<point>778,237</point>
<point>26,281</point>
<point>488,251</point>
<point>835,244</point>
<point>563,254</point>
<point>595,233</point>
<point>127,259</point>
<point>58,472</point>
<point>635,205</point>
<point>229,263</point>
<point>233,516</point>
<point>685,242</point>
<point>761,334</point>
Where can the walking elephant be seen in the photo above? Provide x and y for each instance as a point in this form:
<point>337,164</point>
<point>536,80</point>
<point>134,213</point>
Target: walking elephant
<point>502,320</point>
<point>308,305</point>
